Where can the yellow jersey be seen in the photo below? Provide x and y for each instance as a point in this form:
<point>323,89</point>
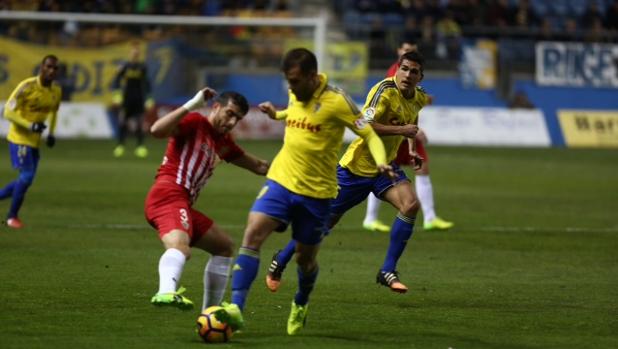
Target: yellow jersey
<point>307,161</point>
<point>386,105</point>
<point>31,102</point>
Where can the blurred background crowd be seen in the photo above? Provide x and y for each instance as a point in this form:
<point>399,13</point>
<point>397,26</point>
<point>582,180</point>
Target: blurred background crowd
<point>438,26</point>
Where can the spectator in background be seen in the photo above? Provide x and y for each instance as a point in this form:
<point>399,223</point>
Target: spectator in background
<point>522,16</point>
<point>498,13</point>
<point>611,17</point>
<point>132,99</point>
<point>591,16</point>
<point>449,37</point>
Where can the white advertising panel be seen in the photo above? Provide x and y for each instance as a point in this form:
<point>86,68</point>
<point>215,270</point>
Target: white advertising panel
<point>576,64</point>
<point>75,120</point>
<point>482,127</point>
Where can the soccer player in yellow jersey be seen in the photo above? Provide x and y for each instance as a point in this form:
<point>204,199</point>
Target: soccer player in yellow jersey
<point>392,108</point>
<point>34,101</point>
<point>302,180</point>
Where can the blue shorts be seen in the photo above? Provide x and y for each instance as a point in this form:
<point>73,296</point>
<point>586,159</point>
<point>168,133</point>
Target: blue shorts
<point>354,189</point>
<point>308,216</point>
<point>23,157</point>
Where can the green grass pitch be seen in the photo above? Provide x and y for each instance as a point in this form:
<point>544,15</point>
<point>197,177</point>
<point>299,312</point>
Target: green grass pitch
<point>532,262</point>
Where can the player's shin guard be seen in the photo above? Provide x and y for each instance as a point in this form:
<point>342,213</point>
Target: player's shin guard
<point>401,231</point>
<point>216,276</point>
<point>243,274</point>
<point>306,281</point>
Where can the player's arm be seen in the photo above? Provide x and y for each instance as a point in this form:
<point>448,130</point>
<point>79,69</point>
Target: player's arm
<point>252,163</point>
<point>13,110</point>
<point>356,122</point>
<point>147,88</point>
<point>117,85</point>
<point>167,125</point>
<point>375,111</point>
<point>409,130</point>
<point>268,109</point>
<point>52,118</point>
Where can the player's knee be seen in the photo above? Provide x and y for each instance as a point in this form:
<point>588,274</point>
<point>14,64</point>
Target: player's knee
<point>410,208</point>
<point>227,247</point>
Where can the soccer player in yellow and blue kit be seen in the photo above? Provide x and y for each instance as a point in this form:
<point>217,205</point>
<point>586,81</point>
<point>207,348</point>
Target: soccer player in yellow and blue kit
<point>34,101</point>
<point>301,180</point>
<point>392,108</point>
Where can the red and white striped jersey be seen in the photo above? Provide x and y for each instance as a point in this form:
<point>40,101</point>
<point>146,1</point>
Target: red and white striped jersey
<point>193,154</point>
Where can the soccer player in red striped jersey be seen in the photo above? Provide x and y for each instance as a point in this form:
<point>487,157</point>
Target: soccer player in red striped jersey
<point>196,143</point>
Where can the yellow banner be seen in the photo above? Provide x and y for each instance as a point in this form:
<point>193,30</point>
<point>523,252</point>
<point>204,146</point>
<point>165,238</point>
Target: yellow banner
<point>345,60</point>
<point>587,128</point>
<point>92,69</point>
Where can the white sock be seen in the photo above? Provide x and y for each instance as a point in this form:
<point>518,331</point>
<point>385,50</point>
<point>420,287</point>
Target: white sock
<point>216,276</point>
<point>373,209</point>
<point>425,196</point>
<point>170,269</point>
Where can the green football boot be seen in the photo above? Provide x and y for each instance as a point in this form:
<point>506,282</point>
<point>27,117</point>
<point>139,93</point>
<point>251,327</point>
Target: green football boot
<point>377,226</point>
<point>297,319</point>
<point>175,299</point>
<point>231,315</point>
<point>438,224</point>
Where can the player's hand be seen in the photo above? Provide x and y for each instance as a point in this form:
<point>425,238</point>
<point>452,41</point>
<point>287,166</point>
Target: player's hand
<point>388,171</point>
<point>409,130</point>
<point>38,127</point>
<point>263,167</point>
<point>51,141</point>
<point>199,100</point>
<point>417,160</point>
<point>268,108</point>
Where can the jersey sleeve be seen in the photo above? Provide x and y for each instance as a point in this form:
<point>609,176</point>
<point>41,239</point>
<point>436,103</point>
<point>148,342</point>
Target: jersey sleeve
<point>117,84</point>
<point>189,124</point>
<point>423,97</point>
<point>53,115</point>
<point>376,104</point>
<point>228,150</point>
<point>13,107</point>
<point>352,118</point>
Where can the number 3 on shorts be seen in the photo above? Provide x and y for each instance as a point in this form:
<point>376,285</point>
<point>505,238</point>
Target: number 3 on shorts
<point>184,218</point>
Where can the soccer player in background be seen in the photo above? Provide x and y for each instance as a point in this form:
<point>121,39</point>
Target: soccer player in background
<point>195,144</point>
<point>131,99</point>
<point>301,181</point>
<point>392,108</point>
<point>33,102</point>
<point>424,189</point>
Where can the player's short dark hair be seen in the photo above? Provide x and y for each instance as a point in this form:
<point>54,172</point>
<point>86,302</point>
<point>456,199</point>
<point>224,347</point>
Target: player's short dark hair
<point>302,58</point>
<point>52,57</point>
<point>413,56</point>
<point>236,98</point>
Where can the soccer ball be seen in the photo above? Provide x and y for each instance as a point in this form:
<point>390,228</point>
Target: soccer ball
<point>212,330</point>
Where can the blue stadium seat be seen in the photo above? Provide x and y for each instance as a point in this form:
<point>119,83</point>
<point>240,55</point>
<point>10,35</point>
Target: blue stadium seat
<point>540,8</point>
<point>578,7</point>
<point>560,7</point>
<point>392,19</point>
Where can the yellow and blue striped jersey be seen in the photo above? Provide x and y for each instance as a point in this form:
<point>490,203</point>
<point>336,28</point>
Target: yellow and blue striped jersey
<point>386,105</point>
<point>306,163</point>
<point>31,102</point>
